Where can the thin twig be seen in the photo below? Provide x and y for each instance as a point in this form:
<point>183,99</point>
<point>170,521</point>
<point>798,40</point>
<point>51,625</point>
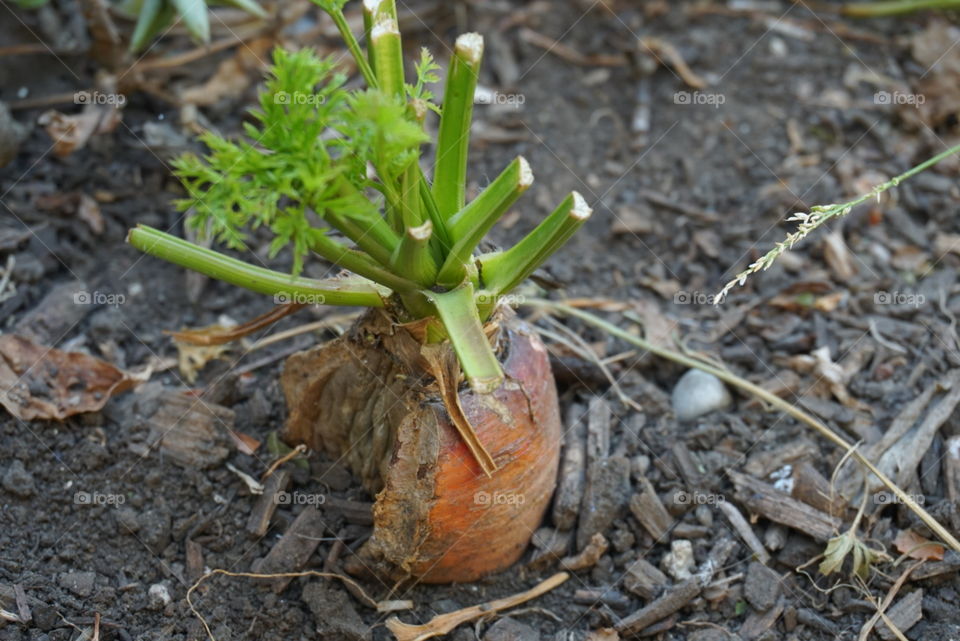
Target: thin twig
<point>300,449</point>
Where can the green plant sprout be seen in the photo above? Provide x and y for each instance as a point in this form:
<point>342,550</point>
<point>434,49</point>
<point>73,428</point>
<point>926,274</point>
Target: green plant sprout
<point>818,216</point>
<point>335,172</point>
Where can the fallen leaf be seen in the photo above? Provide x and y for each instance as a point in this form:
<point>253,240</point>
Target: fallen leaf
<point>916,547</point>
<point>70,133</point>
<point>193,358</point>
<point>89,212</point>
<point>39,382</point>
<point>233,75</point>
<point>657,328</point>
<point>244,442</point>
<point>633,221</point>
<point>838,256</point>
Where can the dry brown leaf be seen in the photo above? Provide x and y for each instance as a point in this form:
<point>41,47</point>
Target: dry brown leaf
<point>89,212</point>
<point>244,442</point>
<point>911,259</point>
<point>193,358</point>
<point>838,256</point>
<point>916,547</point>
<point>632,220</point>
<point>73,203</point>
<point>233,75</point>
<point>657,328</point>
<point>39,382</point>
<point>72,132</point>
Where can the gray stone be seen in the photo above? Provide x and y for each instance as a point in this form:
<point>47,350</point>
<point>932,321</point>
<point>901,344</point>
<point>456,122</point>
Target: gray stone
<point>158,596</point>
<point>80,583</point>
<point>698,393</point>
<point>334,614</point>
<point>18,481</point>
<point>507,629</point>
<point>126,519</point>
<point>761,586</point>
<point>155,530</point>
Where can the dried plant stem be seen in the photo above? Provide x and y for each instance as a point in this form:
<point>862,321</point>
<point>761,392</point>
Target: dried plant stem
<point>819,215</point>
<point>444,623</point>
<point>758,392</point>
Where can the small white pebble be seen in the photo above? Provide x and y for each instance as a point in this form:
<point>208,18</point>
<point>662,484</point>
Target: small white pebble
<point>698,393</point>
<point>679,562</point>
<point>159,596</point>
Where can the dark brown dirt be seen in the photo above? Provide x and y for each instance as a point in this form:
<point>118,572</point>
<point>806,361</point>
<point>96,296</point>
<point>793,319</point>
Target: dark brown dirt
<point>75,559</point>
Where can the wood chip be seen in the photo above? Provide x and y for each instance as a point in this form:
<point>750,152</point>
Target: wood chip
<point>56,313</point>
<point>194,560</point>
<point>190,431</point>
<point>746,533</point>
<point>904,614</point>
<point>763,499</point>
<point>951,468</point>
<point>814,489</point>
<point>757,623</point>
<point>293,550</point>
<point>573,470</point>
<point>605,497</point>
<point>671,601</point>
<point>598,430</point>
<point>644,579</point>
<point>259,521</point>
<point>649,511</point>
<point>551,545</point>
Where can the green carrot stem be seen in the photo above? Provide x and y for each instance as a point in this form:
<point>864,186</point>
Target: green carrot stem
<point>359,263</point>
<point>348,38</point>
<point>412,256</point>
<point>471,224</point>
<point>353,291</point>
<point>459,317</point>
<point>500,272</point>
<point>453,139</point>
<point>387,55</point>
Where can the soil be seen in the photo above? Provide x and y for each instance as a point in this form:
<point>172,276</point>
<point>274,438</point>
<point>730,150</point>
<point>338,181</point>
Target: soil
<point>793,130</point>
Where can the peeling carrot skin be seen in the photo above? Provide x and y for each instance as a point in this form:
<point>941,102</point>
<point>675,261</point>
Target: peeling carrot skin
<point>438,517</point>
<point>481,525</point>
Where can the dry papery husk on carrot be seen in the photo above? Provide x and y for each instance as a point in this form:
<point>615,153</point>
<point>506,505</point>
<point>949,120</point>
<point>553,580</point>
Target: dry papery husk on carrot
<point>370,399</point>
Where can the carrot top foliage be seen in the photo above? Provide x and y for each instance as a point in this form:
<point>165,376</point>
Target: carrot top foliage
<point>337,171</point>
